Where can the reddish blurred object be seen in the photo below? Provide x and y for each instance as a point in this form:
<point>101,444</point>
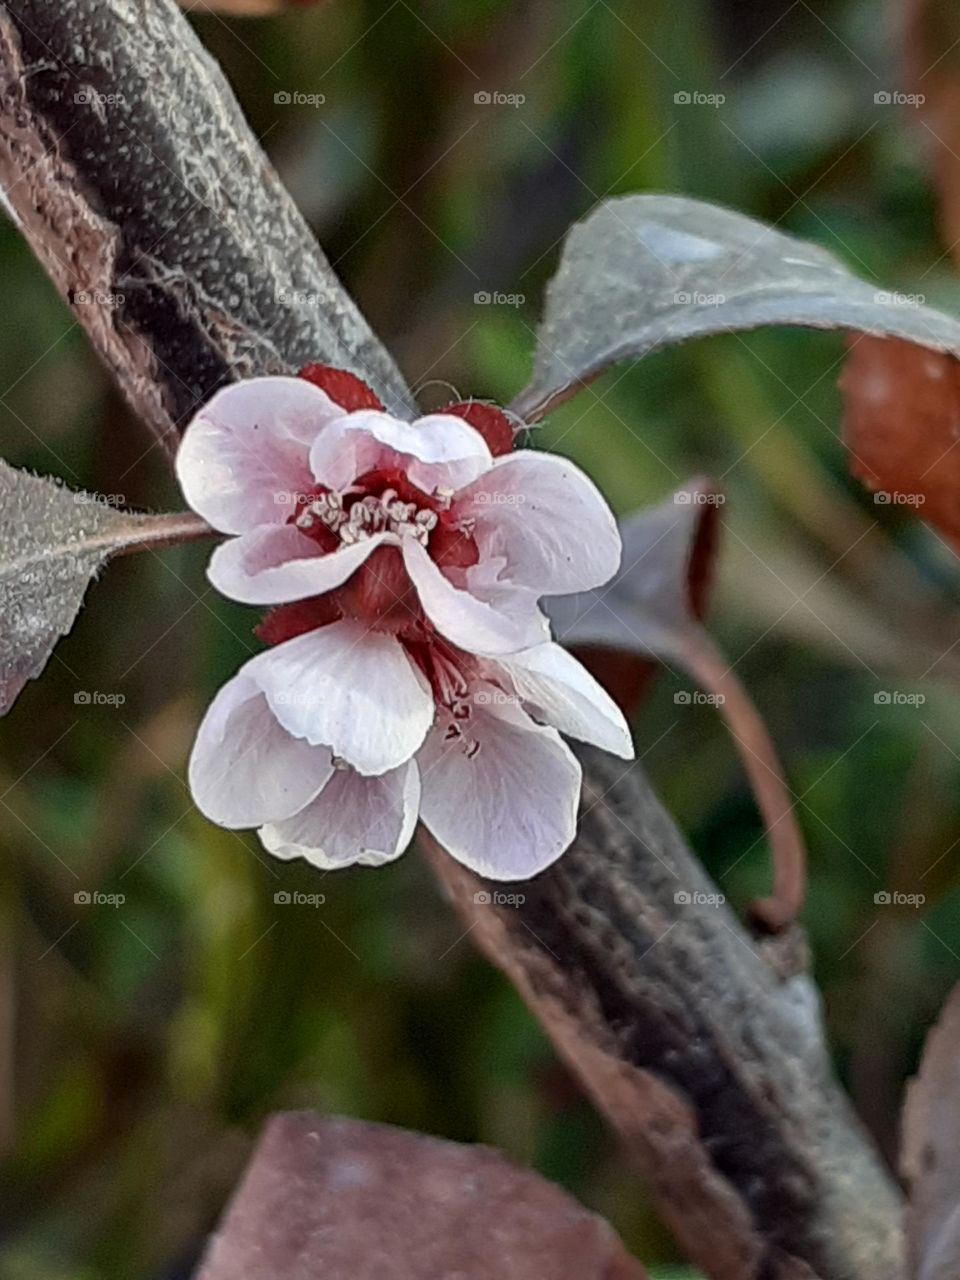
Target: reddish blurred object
<point>902,428</point>
<point>901,402</point>
<point>348,1200</point>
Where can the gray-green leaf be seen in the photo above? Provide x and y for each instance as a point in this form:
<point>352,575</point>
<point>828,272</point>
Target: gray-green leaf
<point>644,271</point>
<point>652,607</point>
<point>53,540</point>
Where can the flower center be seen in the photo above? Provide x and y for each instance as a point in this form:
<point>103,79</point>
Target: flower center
<point>367,515</point>
<point>381,501</point>
<point>379,592</point>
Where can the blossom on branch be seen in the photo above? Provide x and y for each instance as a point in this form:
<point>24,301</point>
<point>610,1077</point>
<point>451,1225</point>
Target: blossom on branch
<point>410,670</point>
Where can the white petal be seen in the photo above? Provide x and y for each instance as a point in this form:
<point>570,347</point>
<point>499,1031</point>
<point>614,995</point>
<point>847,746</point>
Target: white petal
<point>436,449</point>
<point>245,768</point>
<point>510,809</point>
<point>564,693</point>
<point>277,563</point>
<point>511,620</point>
<point>353,820</point>
<point>547,518</point>
<point>247,451</point>
<point>351,689</point>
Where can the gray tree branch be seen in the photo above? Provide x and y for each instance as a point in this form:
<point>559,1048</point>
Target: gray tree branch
<point>129,167</point>
<point>708,1059</point>
<point>703,1046</point>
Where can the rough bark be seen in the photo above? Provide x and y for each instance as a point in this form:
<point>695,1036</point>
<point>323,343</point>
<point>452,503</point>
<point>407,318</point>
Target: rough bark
<point>128,165</point>
<point>703,1046</point>
<point>708,1059</point>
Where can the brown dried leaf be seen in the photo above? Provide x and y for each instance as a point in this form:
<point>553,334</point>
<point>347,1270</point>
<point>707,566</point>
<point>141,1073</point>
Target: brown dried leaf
<point>902,418</point>
<point>930,1160</point>
<point>347,1200</point>
<point>902,427</point>
<point>651,613</point>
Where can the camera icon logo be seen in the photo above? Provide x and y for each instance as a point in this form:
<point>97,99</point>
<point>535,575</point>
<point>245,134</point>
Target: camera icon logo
<point>82,698</point>
<point>682,98</point>
<point>82,898</point>
<point>682,697</point>
<point>482,899</point>
<point>883,98</point>
<point>882,698</point>
<point>282,897</point>
<point>482,98</point>
<point>882,898</point>
<point>282,99</point>
<point>682,898</point>
<point>482,299</point>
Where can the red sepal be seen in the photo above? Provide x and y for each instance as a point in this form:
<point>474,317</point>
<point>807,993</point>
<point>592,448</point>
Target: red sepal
<point>345,389</point>
<point>492,423</point>
<point>288,620</point>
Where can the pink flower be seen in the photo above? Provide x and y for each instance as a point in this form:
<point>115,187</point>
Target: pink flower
<point>411,670</point>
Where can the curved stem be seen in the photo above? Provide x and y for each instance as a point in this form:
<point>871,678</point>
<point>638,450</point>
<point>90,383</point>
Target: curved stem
<point>764,771</point>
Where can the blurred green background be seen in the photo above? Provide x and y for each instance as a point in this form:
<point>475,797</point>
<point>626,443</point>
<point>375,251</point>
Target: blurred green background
<point>142,1044</point>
